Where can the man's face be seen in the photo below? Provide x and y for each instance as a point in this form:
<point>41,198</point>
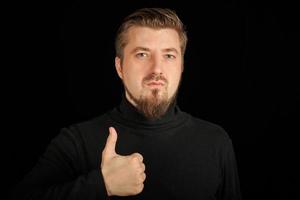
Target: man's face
<point>151,69</point>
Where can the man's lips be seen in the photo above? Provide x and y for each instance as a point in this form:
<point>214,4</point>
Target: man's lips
<point>155,83</point>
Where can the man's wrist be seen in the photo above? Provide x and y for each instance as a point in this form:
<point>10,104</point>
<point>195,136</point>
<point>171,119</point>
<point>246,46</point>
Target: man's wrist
<point>105,184</point>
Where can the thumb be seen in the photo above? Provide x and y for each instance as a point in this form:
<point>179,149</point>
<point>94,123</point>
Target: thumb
<point>111,141</point>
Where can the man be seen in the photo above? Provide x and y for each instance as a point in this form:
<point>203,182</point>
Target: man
<point>145,148</point>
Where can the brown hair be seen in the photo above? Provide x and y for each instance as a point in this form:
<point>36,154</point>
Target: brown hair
<point>156,18</point>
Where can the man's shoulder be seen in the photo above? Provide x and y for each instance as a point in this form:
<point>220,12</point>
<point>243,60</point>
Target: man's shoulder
<point>208,127</point>
<point>91,125</point>
<point>96,121</point>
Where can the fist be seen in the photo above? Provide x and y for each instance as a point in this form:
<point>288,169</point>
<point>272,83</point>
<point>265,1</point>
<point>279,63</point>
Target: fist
<point>123,175</point>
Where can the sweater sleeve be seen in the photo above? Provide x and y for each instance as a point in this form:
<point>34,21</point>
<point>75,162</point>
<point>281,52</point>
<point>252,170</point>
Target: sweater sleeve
<point>229,189</point>
<point>60,174</point>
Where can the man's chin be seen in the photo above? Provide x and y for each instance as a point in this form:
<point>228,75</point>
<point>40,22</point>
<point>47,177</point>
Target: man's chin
<point>156,98</point>
<point>152,104</point>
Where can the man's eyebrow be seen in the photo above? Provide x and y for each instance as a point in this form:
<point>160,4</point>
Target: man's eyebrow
<point>147,49</point>
<point>171,50</point>
<point>140,49</point>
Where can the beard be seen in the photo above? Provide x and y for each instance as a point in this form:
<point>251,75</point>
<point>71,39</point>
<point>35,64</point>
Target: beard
<point>153,103</point>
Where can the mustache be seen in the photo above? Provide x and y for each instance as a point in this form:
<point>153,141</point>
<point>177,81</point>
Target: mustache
<point>155,77</point>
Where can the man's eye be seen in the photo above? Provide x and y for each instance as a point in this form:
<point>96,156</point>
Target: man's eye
<point>141,55</point>
<point>170,56</point>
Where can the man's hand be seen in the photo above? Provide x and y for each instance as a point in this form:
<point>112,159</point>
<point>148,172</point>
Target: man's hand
<point>123,175</point>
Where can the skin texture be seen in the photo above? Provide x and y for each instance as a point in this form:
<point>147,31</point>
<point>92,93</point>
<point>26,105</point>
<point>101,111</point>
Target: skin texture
<point>150,56</point>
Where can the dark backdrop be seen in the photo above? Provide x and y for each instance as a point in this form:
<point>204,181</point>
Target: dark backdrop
<point>240,72</point>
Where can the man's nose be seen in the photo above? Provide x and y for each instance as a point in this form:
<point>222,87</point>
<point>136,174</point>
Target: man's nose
<point>156,65</point>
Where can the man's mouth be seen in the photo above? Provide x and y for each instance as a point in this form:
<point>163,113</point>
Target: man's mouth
<point>155,84</point>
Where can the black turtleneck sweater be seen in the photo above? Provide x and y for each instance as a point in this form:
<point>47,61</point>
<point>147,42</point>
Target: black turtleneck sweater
<point>185,158</point>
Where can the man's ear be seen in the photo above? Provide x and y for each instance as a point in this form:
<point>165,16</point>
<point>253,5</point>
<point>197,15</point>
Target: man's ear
<point>118,67</point>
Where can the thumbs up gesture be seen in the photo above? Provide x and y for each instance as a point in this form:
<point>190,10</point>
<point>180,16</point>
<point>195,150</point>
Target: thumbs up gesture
<point>123,175</point>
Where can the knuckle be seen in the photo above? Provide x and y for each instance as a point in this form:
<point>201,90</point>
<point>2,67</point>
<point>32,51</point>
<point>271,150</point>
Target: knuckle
<point>143,167</point>
<point>136,163</point>
<point>133,158</point>
<point>141,178</point>
<point>140,169</point>
<point>138,156</point>
<point>134,154</point>
<point>139,188</point>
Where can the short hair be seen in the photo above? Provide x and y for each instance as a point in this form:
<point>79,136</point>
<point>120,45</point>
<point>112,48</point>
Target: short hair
<point>156,18</point>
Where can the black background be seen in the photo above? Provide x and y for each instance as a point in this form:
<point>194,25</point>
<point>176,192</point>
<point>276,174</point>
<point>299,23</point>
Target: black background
<point>240,72</point>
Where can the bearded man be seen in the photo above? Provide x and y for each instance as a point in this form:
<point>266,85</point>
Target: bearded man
<point>146,147</point>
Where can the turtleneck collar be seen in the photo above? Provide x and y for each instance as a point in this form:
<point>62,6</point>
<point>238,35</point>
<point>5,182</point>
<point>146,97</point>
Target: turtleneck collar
<point>127,114</point>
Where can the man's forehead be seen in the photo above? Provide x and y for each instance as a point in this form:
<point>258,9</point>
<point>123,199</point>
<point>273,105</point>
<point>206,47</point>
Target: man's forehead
<point>165,39</point>
<point>141,31</point>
